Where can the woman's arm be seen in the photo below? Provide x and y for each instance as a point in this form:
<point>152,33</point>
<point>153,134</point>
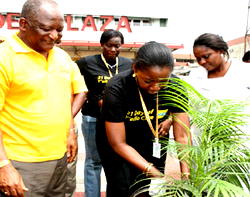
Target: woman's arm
<point>117,139</point>
<point>182,135</point>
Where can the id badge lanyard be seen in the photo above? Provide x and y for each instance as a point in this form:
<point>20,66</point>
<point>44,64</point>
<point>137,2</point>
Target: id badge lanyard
<point>107,65</point>
<point>156,144</point>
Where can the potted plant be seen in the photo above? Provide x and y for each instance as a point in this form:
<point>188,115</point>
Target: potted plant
<point>218,158</point>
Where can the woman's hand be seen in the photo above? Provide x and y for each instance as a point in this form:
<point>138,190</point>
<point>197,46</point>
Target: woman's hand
<point>164,127</point>
<point>154,172</point>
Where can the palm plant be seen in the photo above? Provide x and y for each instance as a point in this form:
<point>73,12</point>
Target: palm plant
<point>219,158</point>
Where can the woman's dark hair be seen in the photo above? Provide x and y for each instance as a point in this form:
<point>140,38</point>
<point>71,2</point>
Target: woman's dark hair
<point>153,54</point>
<point>212,41</point>
<point>110,33</point>
<point>246,57</point>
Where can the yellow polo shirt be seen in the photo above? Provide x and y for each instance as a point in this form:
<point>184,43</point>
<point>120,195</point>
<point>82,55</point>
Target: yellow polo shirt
<point>35,100</point>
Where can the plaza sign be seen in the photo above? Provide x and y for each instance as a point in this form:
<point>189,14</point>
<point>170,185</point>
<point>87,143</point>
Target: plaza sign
<point>10,21</point>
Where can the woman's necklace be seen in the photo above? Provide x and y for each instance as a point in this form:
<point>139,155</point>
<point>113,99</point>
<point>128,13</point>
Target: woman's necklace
<point>109,66</point>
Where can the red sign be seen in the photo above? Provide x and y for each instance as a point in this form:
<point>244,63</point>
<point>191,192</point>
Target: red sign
<point>10,18</point>
<point>87,22</point>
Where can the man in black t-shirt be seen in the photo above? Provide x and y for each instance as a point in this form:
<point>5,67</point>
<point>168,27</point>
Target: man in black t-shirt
<point>97,70</point>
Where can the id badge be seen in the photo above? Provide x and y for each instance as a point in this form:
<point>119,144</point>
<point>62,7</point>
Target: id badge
<point>156,149</point>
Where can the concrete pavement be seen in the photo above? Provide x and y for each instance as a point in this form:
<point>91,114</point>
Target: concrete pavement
<point>80,163</point>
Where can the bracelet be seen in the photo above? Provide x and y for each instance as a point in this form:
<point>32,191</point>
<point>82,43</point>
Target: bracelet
<point>170,117</point>
<point>147,168</point>
<point>4,162</point>
<point>185,174</point>
<point>74,129</point>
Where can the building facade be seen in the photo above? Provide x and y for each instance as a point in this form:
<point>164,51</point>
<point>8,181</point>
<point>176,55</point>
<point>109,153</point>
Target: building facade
<point>238,46</point>
<point>82,32</point>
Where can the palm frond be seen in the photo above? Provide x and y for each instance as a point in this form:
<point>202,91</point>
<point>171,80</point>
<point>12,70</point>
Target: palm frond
<point>219,158</point>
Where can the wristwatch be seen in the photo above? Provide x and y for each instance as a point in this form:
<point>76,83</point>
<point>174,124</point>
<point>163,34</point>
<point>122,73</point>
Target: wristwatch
<point>75,130</point>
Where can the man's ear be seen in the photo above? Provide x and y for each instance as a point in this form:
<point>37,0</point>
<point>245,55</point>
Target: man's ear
<point>22,24</point>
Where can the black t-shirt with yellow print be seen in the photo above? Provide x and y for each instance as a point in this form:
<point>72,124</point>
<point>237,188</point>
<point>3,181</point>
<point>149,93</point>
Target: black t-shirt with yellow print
<point>96,76</point>
<point>122,104</point>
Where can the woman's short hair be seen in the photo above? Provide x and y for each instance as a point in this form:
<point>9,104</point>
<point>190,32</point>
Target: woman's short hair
<point>212,41</point>
<point>153,54</point>
<point>246,57</point>
<point>109,34</point>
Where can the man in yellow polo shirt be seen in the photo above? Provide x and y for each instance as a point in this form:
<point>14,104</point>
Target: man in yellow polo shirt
<point>37,81</point>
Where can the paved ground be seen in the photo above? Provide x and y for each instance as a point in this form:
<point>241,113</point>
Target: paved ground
<point>80,164</point>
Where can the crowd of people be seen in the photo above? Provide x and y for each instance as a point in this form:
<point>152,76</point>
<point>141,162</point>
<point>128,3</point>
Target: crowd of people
<point>42,90</point>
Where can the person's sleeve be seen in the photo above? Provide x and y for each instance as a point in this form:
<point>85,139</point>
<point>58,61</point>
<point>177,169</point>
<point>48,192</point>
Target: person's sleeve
<point>175,97</point>
<point>180,104</point>
<point>81,63</point>
<point>198,73</point>
<point>113,104</point>
<point>77,80</point>
<point>5,76</point>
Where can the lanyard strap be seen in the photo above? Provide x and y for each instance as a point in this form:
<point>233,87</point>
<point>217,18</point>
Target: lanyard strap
<point>144,107</point>
<point>107,65</point>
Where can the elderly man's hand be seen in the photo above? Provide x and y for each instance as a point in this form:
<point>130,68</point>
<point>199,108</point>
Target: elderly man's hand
<point>11,182</point>
<point>72,145</point>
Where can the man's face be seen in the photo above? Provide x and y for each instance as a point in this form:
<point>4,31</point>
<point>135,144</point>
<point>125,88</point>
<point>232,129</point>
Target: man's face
<point>44,30</point>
